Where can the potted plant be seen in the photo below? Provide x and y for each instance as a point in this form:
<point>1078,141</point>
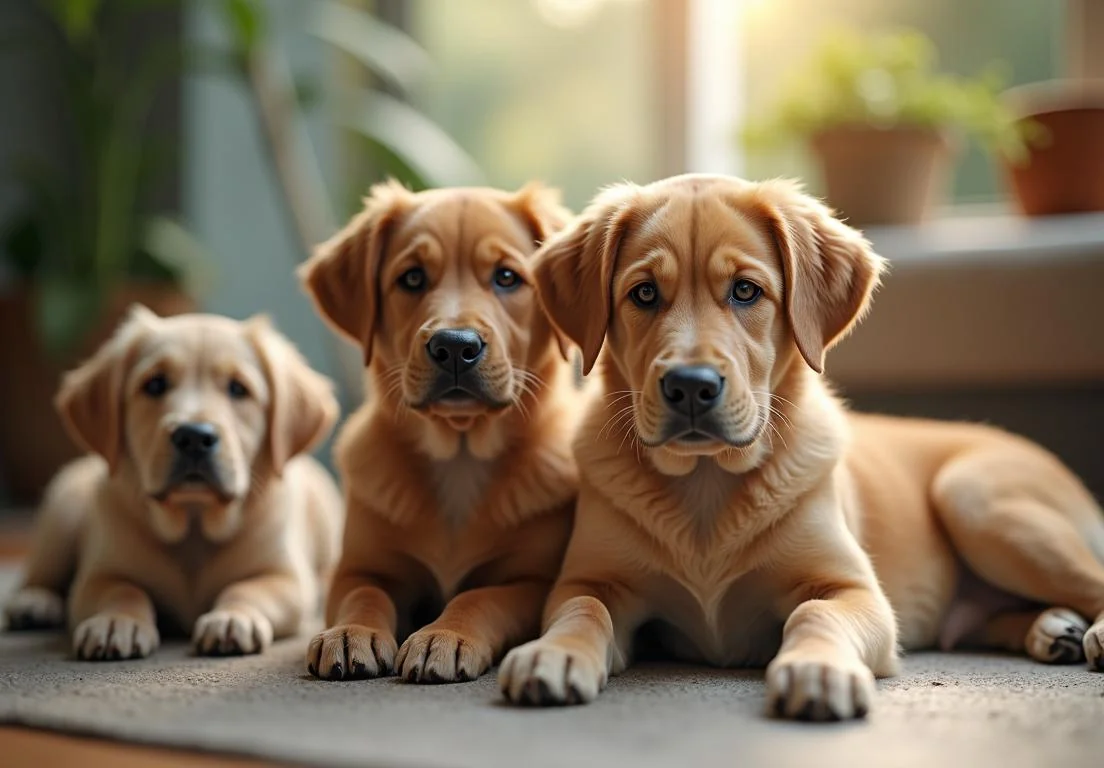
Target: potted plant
<point>1063,171</point>
<point>83,245</point>
<point>884,123</point>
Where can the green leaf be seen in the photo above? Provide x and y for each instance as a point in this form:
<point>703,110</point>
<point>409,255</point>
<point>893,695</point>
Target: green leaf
<point>387,52</point>
<point>77,18</point>
<point>423,145</point>
<point>884,80</point>
<point>246,20</point>
<point>64,311</point>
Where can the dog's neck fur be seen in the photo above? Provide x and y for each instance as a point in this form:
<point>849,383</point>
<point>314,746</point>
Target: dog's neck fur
<point>457,474</point>
<point>807,436</point>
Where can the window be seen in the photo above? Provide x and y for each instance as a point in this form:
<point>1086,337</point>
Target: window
<point>579,92</point>
<point>558,90</point>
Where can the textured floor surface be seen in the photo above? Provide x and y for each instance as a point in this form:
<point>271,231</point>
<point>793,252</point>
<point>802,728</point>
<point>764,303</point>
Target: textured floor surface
<point>943,711</point>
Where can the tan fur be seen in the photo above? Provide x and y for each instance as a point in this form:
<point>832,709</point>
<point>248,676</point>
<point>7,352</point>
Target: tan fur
<point>458,514</point>
<point>236,566</point>
<point>784,541</point>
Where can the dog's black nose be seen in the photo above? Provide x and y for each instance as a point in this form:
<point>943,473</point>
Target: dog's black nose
<point>456,350</point>
<point>195,440</point>
<point>692,389</point>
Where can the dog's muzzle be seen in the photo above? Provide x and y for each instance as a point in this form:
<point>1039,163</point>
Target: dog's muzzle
<point>457,354</point>
<point>691,392</point>
<point>195,447</point>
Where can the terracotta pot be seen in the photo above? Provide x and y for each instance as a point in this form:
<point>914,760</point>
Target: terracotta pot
<point>1064,173</point>
<point>883,175</point>
<point>33,442</point>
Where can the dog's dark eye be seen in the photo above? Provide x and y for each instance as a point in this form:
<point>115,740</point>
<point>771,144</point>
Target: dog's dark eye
<point>237,390</point>
<point>507,279</point>
<point>745,292</point>
<point>413,279</point>
<point>156,385</point>
<point>644,295</point>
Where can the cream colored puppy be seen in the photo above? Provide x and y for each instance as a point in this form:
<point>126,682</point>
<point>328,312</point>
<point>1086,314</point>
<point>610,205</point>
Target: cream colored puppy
<point>729,501</point>
<point>197,511</point>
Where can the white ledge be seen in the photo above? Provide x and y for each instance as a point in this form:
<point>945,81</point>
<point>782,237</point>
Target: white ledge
<point>996,237</point>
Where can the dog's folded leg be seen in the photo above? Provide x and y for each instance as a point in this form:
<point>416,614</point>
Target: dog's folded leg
<point>473,631</point>
<point>588,630</point>
<point>249,615</point>
<point>360,642</point>
<point>114,620</point>
<point>52,561</point>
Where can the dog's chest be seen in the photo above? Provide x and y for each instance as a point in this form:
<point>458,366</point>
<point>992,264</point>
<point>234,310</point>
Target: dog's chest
<point>459,487</point>
<point>716,604</point>
<point>740,627</point>
<point>706,561</point>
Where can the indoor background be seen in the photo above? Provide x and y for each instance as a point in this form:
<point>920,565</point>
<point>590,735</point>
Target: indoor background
<point>189,153</point>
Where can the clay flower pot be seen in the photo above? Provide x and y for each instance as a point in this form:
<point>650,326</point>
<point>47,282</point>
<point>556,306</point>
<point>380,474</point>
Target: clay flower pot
<point>33,442</point>
<point>878,176</point>
<point>1064,170</point>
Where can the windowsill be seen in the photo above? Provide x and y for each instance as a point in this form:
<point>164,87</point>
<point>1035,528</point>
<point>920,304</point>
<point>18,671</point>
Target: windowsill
<point>1002,237</point>
<point>982,301</point>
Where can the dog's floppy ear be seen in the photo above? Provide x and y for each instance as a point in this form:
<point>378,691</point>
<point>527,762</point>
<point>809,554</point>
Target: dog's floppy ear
<point>543,214</point>
<point>830,269</point>
<point>302,407</point>
<point>342,275</point>
<point>574,269</point>
<point>90,399</point>
<point>541,210</point>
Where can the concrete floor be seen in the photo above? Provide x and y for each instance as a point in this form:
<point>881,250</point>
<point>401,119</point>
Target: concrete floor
<point>942,711</point>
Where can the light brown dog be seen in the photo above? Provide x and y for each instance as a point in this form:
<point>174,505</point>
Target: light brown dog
<point>459,477</point>
<point>729,501</point>
<point>198,511</point>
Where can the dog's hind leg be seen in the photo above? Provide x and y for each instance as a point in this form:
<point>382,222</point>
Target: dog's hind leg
<point>40,601</point>
<point>1025,525</point>
<point>1052,636</point>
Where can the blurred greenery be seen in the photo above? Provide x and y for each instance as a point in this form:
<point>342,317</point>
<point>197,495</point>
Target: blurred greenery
<point>886,80</point>
<point>86,231</point>
<point>387,135</point>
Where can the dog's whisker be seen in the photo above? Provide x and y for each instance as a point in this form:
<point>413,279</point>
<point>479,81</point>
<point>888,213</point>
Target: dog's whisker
<point>780,437</point>
<point>614,421</point>
<point>630,431</point>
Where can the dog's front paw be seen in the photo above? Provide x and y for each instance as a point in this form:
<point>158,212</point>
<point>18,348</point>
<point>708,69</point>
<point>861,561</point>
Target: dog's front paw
<point>1093,644</point>
<point>442,656</point>
<point>34,608</point>
<point>110,637</point>
<point>545,673</point>
<point>810,689</point>
<point>351,652</point>
<point>1057,637</point>
<point>233,632</point>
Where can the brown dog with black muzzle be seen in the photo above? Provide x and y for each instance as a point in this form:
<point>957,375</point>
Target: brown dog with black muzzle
<point>197,510</point>
<point>458,472</point>
<point>730,502</point>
